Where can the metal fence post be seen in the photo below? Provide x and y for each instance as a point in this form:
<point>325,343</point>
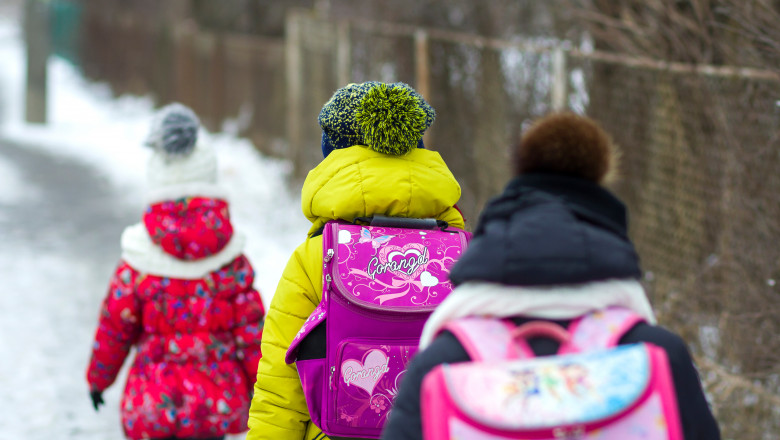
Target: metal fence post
<point>559,90</point>
<point>422,68</point>
<point>294,77</point>
<point>422,71</point>
<point>38,48</point>
<point>343,54</point>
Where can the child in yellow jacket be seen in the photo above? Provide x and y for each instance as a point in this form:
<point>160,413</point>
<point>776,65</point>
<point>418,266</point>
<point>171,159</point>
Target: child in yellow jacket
<point>375,164</point>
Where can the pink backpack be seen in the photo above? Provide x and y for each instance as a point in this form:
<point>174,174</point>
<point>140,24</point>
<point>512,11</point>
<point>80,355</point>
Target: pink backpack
<point>380,284</point>
<point>592,389</point>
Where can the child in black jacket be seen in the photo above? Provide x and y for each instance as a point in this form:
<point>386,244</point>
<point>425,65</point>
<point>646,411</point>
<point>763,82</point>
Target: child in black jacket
<point>553,246</point>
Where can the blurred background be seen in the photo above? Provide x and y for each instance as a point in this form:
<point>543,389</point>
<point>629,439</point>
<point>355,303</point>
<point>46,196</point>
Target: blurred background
<point>689,89</point>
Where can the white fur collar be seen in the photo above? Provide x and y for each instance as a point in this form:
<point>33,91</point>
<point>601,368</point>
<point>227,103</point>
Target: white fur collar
<point>555,302</point>
<point>139,251</point>
<point>193,189</point>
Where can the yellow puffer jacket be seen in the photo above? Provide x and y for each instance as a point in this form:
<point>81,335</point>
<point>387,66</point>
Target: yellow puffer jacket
<point>349,183</point>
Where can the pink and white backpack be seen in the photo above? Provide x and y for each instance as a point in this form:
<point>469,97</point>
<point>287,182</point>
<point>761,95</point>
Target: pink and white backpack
<point>592,389</point>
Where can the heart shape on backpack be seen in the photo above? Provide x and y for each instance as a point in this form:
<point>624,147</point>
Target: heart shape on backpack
<point>428,280</point>
<point>366,374</point>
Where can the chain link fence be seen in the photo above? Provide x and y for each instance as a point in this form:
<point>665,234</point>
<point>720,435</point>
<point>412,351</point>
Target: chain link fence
<point>700,154</point>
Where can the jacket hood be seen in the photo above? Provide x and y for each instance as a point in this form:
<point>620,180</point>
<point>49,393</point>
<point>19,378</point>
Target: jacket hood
<point>143,255</point>
<point>550,230</point>
<point>189,228</point>
<point>356,182</point>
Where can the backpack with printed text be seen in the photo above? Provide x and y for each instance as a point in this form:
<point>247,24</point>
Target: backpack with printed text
<point>591,389</point>
<point>380,284</point>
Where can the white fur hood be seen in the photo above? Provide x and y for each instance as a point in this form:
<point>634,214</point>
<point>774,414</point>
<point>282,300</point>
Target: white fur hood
<point>139,251</point>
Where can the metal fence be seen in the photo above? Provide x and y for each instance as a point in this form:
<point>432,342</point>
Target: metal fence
<point>700,151</point>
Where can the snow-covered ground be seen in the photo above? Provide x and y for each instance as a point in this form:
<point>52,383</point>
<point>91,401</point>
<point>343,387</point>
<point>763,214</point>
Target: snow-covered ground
<point>49,294</point>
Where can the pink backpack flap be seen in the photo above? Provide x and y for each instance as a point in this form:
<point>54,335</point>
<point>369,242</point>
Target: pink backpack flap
<point>597,390</point>
<point>380,284</point>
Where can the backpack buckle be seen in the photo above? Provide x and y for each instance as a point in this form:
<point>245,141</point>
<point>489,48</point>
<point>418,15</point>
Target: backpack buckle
<point>573,433</point>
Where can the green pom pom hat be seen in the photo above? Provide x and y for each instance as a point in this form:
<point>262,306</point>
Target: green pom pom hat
<point>388,118</point>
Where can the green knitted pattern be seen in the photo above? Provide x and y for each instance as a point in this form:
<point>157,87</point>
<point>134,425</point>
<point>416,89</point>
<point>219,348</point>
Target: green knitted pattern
<point>390,119</point>
<point>337,117</point>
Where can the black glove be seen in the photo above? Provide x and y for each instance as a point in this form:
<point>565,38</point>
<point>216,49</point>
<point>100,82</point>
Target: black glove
<point>97,398</point>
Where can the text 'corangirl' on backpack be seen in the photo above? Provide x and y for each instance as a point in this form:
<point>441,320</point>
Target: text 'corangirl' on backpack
<point>380,284</point>
<point>592,389</point>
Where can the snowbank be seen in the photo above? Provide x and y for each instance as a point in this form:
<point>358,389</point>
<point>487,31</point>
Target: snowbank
<point>88,124</point>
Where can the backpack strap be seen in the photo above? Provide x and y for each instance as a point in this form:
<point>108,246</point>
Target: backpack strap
<point>488,338</point>
<point>403,222</point>
<point>491,338</point>
<point>600,329</point>
<point>316,318</point>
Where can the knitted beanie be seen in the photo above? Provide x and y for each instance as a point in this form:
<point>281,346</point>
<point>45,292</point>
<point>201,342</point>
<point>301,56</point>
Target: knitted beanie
<point>388,118</point>
<point>178,158</point>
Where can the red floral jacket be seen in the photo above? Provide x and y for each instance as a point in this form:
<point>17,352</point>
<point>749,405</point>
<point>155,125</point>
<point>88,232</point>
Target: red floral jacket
<point>197,338</point>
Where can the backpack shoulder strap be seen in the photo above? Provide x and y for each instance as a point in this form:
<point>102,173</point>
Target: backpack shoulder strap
<point>600,329</point>
<point>488,338</point>
<point>316,318</point>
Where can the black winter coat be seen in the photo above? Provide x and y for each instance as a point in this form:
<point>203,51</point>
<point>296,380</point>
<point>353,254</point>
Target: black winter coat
<point>552,230</point>
<point>548,230</point>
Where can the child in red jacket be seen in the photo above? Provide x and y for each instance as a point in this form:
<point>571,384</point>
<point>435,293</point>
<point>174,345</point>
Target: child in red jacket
<point>183,296</point>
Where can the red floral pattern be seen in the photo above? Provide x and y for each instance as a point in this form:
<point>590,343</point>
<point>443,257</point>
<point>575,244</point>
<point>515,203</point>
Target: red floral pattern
<point>197,341</point>
<point>189,228</point>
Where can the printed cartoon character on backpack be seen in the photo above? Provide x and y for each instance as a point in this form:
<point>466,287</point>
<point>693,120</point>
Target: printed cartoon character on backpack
<point>576,379</point>
<point>548,333</point>
<point>591,388</point>
<point>524,385</point>
<point>351,305</point>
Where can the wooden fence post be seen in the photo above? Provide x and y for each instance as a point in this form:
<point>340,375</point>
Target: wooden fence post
<point>205,45</point>
<point>184,78</point>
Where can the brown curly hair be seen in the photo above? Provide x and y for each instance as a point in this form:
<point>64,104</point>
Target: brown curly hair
<point>567,144</point>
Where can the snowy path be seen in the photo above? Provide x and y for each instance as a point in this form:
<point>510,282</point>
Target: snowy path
<point>58,232</point>
<point>67,189</point>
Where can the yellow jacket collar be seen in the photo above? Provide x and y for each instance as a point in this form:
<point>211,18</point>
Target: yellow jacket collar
<point>356,182</point>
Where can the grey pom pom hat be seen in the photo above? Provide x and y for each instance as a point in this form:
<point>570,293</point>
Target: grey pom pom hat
<point>178,159</point>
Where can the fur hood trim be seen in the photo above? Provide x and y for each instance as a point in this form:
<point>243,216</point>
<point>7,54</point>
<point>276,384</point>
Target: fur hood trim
<point>193,189</point>
<point>139,251</point>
